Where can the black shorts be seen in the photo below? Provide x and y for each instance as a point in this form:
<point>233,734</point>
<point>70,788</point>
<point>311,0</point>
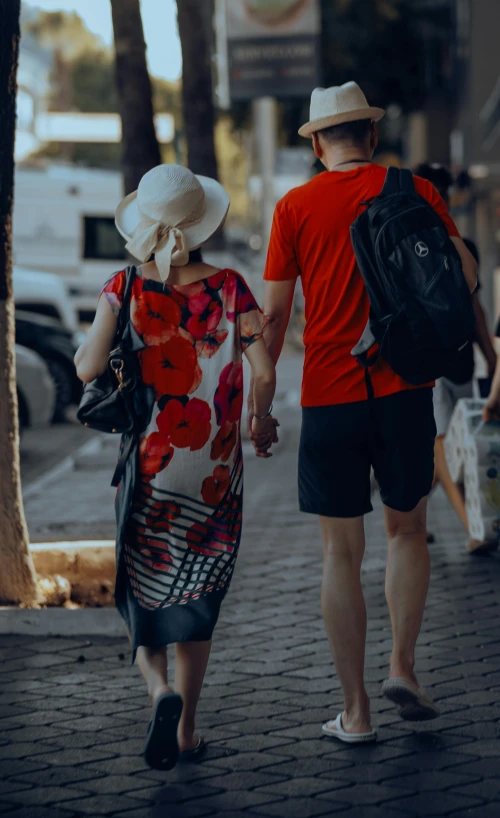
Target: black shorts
<point>339,445</point>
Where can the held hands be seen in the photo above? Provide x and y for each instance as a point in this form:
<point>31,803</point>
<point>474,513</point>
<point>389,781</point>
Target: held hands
<point>263,433</point>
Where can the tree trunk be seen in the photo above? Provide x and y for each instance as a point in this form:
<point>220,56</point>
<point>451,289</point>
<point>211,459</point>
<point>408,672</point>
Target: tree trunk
<point>140,149</point>
<point>17,573</point>
<point>195,27</point>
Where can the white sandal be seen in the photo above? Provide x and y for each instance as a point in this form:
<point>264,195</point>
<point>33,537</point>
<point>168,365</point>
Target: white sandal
<point>414,702</point>
<point>336,730</point>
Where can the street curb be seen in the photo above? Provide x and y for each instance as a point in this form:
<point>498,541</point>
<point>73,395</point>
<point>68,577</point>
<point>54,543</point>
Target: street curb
<point>91,447</point>
<point>61,622</point>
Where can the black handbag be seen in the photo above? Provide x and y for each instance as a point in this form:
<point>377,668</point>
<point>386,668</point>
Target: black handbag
<point>107,403</point>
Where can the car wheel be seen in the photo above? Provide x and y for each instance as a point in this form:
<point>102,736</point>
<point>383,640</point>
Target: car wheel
<point>63,381</point>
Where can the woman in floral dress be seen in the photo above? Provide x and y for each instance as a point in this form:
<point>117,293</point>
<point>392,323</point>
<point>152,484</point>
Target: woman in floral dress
<point>181,535</point>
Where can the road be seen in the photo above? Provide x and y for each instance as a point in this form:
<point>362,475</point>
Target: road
<point>74,713</point>
<point>43,449</point>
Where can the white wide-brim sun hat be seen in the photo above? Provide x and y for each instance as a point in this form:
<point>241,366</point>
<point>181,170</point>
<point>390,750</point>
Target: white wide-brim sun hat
<point>337,105</point>
<point>172,212</point>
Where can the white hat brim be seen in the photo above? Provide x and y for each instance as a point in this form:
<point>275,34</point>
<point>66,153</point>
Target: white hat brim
<point>375,114</point>
<point>216,207</point>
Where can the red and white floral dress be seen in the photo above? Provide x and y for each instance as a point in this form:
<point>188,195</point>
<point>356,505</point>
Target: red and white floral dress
<point>184,528</point>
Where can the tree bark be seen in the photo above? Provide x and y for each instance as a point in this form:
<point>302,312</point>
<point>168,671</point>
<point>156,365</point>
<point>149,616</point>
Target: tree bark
<point>140,149</point>
<point>17,573</point>
<point>195,26</point>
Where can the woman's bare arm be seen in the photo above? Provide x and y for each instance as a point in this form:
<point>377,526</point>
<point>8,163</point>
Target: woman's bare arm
<point>263,391</point>
<point>92,357</point>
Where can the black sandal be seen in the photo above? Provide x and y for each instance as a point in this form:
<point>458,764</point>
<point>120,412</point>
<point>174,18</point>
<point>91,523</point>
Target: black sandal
<point>161,751</point>
<point>195,753</point>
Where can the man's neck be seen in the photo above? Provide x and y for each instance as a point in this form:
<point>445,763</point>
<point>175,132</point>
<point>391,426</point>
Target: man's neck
<point>346,158</point>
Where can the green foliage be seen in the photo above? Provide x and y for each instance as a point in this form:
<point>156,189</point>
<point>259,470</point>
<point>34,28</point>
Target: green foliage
<point>62,32</point>
<point>83,80</point>
<point>93,88</point>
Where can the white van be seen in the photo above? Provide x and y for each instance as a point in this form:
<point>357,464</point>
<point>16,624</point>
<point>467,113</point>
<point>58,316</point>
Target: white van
<point>64,224</point>
<point>46,294</point>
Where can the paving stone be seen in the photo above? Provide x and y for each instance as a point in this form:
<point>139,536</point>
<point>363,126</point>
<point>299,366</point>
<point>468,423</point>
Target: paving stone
<point>483,768</point>
<point>259,743</point>
<point>19,766</point>
<point>119,784</point>
<point>125,765</point>
<point>444,805</point>
<point>301,786</point>
<point>44,795</point>
<point>481,748</point>
<point>70,758</point>
<point>327,765</point>
<point>60,777</point>
<point>434,760</point>
<point>364,773</point>
<point>370,794</point>
<point>103,804</point>
<point>37,811</point>
<point>227,802</point>
<point>485,811</point>
<point>489,790</point>
<point>429,780</point>
<point>300,808</point>
<point>24,749</point>
<point>12,786</point>
<point>128,747</point>
<point>177,794</point>
<point>176,811</point>
<point>375,812</point>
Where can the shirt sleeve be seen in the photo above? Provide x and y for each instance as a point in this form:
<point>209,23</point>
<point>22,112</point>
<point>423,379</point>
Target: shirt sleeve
<point>113,291</point>
<point>281,263</point>
<point>250,318</point>
<point>430,194</point>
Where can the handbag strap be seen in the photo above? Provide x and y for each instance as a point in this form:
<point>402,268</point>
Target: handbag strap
<point>122,462</point>
<point>124,314</point>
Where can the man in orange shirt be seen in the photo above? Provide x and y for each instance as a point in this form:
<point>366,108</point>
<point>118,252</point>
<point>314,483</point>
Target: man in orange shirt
<point>343,433</point>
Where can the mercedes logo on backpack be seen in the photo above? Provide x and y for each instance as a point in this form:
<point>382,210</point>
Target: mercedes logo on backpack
<point>421,249</point>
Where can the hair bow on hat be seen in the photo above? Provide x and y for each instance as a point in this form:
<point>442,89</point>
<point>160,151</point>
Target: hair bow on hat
<point>167,242</point>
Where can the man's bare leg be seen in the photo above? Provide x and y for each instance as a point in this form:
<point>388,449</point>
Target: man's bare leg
<point>406,584</point>
<point>344,613</point>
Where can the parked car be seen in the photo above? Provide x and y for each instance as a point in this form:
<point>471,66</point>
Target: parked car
<point>44,294</point>
<point>36,391</point>
<point>57,346</point>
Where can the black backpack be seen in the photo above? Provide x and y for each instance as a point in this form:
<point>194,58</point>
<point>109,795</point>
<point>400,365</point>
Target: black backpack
<point>421,313</point>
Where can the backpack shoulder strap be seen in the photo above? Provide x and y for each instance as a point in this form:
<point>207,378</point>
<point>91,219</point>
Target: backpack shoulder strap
<point>398,180</point>
<point>406,181</point>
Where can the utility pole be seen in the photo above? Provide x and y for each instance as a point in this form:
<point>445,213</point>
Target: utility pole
<point>265,129</point>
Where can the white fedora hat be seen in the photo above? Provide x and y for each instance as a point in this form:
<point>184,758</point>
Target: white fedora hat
<point>171,212</point>
<point>336,105</point>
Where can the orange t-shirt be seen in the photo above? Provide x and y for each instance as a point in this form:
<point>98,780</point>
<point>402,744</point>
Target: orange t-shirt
<point>310,238</point>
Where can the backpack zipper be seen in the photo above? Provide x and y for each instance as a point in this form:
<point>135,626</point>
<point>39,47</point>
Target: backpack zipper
<point>397,216</point>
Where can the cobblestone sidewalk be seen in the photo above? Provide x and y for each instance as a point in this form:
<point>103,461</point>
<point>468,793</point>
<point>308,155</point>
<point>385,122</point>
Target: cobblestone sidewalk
<point>73,713</point>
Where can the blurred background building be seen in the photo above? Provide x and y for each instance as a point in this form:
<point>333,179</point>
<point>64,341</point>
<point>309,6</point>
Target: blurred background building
<point>434,64</point>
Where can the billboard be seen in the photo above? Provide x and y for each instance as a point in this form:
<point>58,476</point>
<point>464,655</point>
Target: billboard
<point>272,47</point>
